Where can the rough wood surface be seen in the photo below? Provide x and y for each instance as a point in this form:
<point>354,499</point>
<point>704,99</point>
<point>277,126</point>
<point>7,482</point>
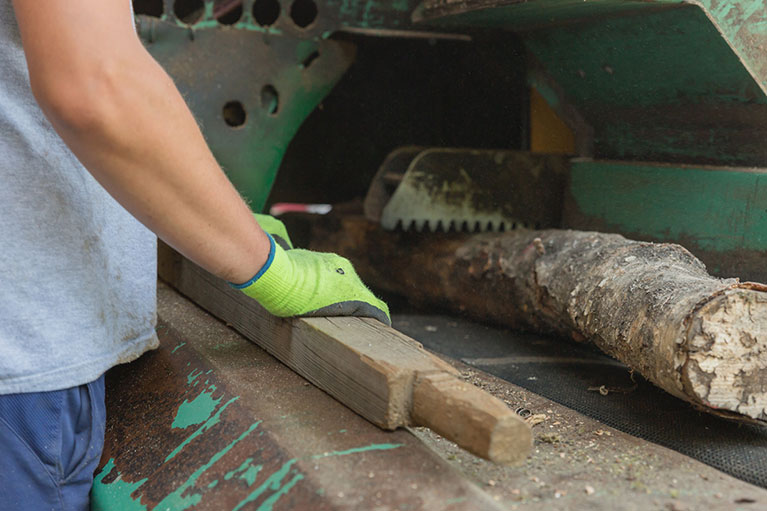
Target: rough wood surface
<point>369,367</point>
<point>652,306</point>
<point>458,410</point>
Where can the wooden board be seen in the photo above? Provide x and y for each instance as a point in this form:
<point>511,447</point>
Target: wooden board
<point>371,368</point>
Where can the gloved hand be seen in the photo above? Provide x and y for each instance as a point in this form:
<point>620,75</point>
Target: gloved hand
<point>299,282</point>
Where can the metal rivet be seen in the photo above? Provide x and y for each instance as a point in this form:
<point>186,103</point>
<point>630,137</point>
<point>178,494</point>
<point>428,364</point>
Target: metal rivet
<point>340,270</point>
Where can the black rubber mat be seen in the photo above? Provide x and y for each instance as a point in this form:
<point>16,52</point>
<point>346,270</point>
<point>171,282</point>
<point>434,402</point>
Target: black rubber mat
<point>572,374</point>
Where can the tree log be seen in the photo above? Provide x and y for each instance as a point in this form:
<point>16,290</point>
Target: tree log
<point>652,306</point>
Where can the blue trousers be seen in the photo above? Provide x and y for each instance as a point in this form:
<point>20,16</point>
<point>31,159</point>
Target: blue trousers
<point>50,444</point>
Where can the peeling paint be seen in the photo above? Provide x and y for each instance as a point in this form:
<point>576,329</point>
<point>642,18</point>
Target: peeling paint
<point>202,429</point>
<point>114,496</point>
<point>177,500</point>
<point>275,483</point>
<point>193,376</point>
<point>197,410</point>
<point>355,450</point>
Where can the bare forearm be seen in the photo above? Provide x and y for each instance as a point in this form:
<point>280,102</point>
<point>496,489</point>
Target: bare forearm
<point>142,144</point>
<point>123,117</point>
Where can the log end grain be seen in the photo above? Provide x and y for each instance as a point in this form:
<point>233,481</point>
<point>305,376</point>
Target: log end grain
<point>726,367</point>
<point>473,419</point>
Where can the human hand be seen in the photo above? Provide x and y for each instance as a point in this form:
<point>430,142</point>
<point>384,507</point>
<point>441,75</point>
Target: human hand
<point>299,282</point>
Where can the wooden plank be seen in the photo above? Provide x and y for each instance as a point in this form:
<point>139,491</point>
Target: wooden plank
<point>369,367</point>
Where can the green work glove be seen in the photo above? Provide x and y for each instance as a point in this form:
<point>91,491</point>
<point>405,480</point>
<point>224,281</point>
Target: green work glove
<point>304,283</point>
<point>276,228</point>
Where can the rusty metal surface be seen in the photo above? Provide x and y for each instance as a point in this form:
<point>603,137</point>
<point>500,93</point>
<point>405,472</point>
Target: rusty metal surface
<point>211,421</point>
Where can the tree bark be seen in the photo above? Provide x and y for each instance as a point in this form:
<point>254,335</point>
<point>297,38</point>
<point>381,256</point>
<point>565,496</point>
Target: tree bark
<point>652,306</point>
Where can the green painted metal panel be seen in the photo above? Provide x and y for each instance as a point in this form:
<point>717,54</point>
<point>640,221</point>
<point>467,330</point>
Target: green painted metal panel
<point>673,56</point>
<point>532,14</point>
<point>706,209</point>
<point>663,85</point>
<point>215,66</point>
<point>666,80</point>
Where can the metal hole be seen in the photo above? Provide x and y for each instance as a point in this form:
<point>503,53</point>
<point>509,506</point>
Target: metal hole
<point>234,114</point>
<point>227,12</point>
<point>189,11</point>
<point>266,12</point>
<point>308,61</point>
<point>270,99</point>
<point>303,12</point>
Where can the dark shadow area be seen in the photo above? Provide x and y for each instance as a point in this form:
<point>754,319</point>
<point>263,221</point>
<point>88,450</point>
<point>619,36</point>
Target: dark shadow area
<point>404,92</point>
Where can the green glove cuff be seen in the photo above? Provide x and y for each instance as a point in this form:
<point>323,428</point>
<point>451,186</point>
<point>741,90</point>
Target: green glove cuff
<point>276,228</point>
<point>305,283</point>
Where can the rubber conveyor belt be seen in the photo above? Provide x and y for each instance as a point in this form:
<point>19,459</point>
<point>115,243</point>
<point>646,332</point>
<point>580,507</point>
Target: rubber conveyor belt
<point>573,375</point>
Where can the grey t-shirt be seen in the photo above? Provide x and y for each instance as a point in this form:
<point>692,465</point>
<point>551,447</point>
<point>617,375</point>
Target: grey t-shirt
<point>77,272</point>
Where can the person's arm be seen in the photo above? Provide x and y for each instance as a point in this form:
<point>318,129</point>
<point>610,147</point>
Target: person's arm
<point>122,116</point>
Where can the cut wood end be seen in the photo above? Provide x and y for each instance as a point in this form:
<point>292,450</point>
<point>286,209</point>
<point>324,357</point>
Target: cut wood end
<point>726,367</point>
<point>510,442</point>
<point>470,417</point>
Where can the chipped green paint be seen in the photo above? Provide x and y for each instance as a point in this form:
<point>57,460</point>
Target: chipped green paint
<point>197,410</point>
<point>274,483</point>
<point>268,504</point>
<point>247,472</point>
<point>115,496</point>
<point>241,468</point>
<point>181,498</point>
<point>202,429</point>
<point>118,495</point>
<point>744,24</point>
<point>177,347</point>
<point>191,377</point>
<point>373,13</point>
<point>717,209</point>
<point>355,450</point>
<point>251,474</point>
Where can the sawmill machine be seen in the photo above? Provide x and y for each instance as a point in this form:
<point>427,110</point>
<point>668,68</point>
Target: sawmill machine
<point>646,118</point>
<point>660,105</point>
